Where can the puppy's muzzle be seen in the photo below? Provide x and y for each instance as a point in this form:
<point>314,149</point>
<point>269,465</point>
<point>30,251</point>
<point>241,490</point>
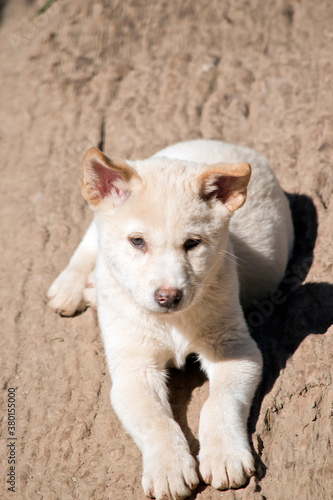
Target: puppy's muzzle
<point>168,297</point>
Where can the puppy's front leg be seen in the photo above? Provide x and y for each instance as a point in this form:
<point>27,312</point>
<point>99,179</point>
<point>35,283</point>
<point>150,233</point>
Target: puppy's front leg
<point>139,397</point>
<point>67,292</point>
<point>234,372</point>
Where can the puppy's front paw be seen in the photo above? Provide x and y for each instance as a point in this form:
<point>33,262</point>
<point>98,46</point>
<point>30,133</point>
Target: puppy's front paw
<point>170,477</point>
<point>224,466</point>
<point>66,292</point>
<point>89,293</point>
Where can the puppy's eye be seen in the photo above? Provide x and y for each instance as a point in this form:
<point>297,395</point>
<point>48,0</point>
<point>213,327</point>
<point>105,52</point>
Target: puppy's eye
<point>138,243</point>
<point>191,243</point>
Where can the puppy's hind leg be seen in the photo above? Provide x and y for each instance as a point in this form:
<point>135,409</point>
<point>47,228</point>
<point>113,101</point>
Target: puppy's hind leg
<point>66,293</point>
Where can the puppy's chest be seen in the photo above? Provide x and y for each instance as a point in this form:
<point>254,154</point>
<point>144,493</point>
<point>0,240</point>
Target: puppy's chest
<point>178,347</point>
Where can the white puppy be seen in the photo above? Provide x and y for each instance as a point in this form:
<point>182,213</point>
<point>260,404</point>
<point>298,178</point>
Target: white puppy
<point>175,253</point>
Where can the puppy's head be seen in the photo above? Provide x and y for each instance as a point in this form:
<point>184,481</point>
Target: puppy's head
<point>163,224</point>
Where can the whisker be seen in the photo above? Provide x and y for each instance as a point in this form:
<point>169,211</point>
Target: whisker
<point>232,257</point>
<point>229,255</point>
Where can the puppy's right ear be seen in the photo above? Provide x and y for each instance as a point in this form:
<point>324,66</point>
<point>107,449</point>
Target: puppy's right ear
<point>105,177</point>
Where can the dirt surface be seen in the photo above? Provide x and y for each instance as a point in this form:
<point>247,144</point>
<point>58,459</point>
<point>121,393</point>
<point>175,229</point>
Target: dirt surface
<point>132,77</point>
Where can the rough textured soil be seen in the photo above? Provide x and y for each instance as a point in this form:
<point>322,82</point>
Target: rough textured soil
<point>132,77</point>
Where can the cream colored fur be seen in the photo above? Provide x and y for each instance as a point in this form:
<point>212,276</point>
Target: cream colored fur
<point>180,194</point>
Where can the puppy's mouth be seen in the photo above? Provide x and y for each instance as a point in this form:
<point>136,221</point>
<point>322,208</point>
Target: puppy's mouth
<point>169,309</point>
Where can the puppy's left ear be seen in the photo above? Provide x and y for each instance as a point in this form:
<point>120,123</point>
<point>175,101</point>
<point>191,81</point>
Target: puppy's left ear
<point>105,177</point>
<point>226,183</point>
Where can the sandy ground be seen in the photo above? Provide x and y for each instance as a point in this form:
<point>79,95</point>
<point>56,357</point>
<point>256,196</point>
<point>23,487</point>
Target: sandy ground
<point>132,77</point>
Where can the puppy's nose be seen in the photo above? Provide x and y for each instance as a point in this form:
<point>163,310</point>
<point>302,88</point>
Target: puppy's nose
<point>168,297</point>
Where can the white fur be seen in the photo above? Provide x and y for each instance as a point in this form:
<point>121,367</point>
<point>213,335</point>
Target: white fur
<point>243,253</point>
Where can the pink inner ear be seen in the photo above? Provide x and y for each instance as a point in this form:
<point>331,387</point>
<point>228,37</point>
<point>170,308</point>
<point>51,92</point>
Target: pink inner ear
<point>222,188</point>
<point>105,179</point>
